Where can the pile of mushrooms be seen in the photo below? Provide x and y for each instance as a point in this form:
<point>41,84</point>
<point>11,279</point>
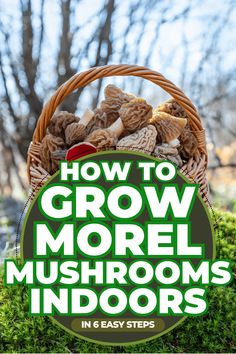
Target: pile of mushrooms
<point>122,122</point>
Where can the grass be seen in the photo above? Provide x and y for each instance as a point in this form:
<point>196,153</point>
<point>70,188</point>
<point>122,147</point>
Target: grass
<point>213,332</point>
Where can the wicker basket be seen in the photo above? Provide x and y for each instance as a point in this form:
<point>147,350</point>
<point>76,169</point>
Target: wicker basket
<point>194,169</point>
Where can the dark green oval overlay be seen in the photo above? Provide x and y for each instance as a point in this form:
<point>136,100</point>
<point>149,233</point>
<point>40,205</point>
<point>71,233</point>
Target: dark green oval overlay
<point>202,232</point>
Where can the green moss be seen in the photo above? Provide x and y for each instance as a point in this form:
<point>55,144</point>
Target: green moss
<point>213,332</point>
<point>226,236</point>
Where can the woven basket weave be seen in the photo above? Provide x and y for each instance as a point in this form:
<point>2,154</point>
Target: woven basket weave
<point>194,169</point>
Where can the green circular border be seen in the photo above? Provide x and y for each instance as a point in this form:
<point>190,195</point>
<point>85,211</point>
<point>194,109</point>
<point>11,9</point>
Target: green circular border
<point>22,244</point>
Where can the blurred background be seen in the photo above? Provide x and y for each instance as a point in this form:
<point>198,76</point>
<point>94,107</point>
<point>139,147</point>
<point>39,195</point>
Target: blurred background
<point>44,42</point>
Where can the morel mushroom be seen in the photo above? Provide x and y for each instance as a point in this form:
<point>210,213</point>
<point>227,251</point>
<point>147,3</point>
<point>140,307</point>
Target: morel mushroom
<point>135,114</point>
<point>167,152</point>
<point>106,138</point>
<point>59,123</point>
<point>114,99</point>
<point>76,132</point>
<point>108,111</point>
<point>143,140</point>
<point>171,107</point>
<point>99,121</point>
<point>168,127</point>
<point>51,143</point>
<point>188,144</point>
<point>188,141</point>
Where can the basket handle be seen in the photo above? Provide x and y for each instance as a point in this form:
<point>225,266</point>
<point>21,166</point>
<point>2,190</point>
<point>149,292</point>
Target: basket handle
<point>86,77</point>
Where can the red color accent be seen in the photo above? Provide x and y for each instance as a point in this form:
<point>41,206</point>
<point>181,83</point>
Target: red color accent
<point>80,150</point>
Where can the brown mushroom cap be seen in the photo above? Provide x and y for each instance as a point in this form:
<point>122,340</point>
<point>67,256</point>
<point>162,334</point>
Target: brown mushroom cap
<point>76,132</point>
<point>143,140</point>
<point>172,107</point>
<point>102,139</point>
<point>135,114</point>
<point>99,121</point>
<point>51,143</point>
<point>168,127</point>
<point>114,98</point>
<point>106,138</point>
<point>188,141</point>
<point>114,92</point>
<point>108,111</point>
<point>166,152</point>
<point>188,144</point>
<point>60,121</point>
